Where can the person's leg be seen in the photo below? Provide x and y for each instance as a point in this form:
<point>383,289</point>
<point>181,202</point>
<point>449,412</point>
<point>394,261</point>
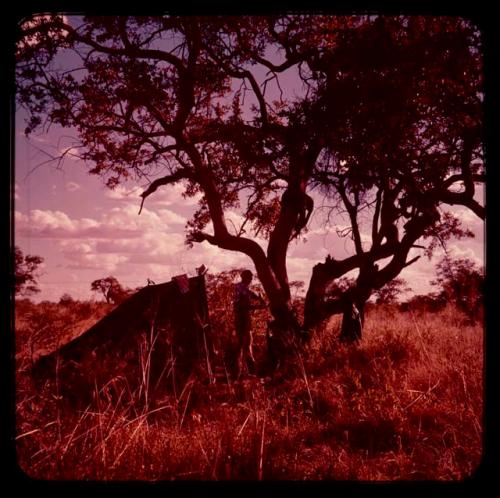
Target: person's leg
<point>246,361</point>
<point>241,326</point>
<point>247,348</point>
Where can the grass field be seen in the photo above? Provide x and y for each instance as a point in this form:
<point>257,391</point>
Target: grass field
<point>404,404</point>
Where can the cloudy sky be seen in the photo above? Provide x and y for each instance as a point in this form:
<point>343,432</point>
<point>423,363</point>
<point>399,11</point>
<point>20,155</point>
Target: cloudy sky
<point>85,231</point>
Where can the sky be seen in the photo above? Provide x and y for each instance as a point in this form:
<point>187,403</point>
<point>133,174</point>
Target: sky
<point>85,231</point>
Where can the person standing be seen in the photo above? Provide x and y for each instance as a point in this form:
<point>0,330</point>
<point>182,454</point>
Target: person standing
<point>245,300</point>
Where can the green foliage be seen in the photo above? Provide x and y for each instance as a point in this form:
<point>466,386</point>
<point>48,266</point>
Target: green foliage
<point>431,302</point>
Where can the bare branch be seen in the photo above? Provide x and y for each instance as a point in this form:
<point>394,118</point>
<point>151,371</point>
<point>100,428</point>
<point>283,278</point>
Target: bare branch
<point>165,180</point>
<point>376,215</point>
<point>408,263</point>
<point>353,212</point>
<point>282,67</point>
<point>477,178</point>
<point>463,200</point>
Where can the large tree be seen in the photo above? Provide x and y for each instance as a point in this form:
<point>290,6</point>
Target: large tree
<point>382,115</point>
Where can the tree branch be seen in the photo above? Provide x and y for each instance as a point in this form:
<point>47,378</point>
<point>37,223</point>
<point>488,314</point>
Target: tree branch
<point>376,215</point>
<point>352,211</point>
<point>408,263</point>
<point>130,51</point>
<point>477,178</point>
<point>245,73</point>
<point>165,180</point>
<point>461,199</point>
<point>288,63</point>
<point>253,250</point>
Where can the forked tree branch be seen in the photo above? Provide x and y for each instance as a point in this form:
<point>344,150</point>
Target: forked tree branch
<point>164,180</point>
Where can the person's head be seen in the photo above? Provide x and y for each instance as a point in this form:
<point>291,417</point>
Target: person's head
<point>246,276</point>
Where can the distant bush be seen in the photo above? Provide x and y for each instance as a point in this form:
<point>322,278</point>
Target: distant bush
<point>390,292</point>
<point>66,299</point>
<point>461,282</point>
<point>432,302</point>
<point>43,325</point>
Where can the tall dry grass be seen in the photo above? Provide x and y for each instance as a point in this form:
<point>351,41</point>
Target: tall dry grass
<point>404,404</point>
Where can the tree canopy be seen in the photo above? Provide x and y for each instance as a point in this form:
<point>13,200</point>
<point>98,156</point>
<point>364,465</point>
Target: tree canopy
<point>110,288</point>
<point>389,293</point>
<point>461,281</point>
<point>381,114</point>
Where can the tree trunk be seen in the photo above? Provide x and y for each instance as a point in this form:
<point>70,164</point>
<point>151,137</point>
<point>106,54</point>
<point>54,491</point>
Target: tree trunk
<point>284,336</point>
<point>315,307</point>
<point>284,331</point>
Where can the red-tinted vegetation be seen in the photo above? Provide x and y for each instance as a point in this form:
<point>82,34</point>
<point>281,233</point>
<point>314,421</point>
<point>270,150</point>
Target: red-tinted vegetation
<point>405,404</point>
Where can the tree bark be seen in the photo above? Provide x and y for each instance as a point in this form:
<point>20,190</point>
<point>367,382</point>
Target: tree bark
<point>280,237</point>
<point>317,308</point>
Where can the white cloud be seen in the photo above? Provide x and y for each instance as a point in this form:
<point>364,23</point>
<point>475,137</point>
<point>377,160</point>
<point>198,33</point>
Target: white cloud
<point>171,218</point>
<point>82,256</point>
<point>52,224</point>
<point>460,252</point>
<point>155,254</point>
<point>72,187</point>
<point>51,221</point>
<point>20,217</point>
<point>16,192</point>
<point>122,193</point>
<point>214,258</point>
<point>120,236</point>
<point>418,276</point>
<point>300,269</point>
<point>315,247</point>
<point>120,222</point>
<point>466,216</point>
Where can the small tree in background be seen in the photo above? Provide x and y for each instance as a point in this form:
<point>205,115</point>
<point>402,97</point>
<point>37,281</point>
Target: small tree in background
<point>388,294</point>
<point>461,281</point>
<point>297,286</point>
<point>110,288</point>
<point>26,276</point>
<point>66,299</point>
